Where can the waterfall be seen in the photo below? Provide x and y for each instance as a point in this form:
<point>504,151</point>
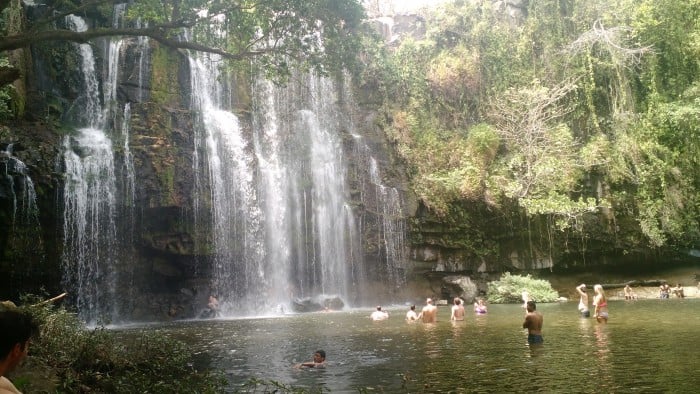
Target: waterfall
<point>383,208</point>
<point>142,48</point>
<point>23,230</point>
<point>392,227</point>
<point>88,224</point>
<point>89,199</point>
<point>227,169</point>
<point>272,211</point>
<point>310,230</point>
<point>282,228</point>
<point>20,187</point>
<point>128,170</point>
<point>91,116</point>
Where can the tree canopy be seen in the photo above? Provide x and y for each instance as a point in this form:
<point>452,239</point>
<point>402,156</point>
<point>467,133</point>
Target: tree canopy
<point>277,33</point>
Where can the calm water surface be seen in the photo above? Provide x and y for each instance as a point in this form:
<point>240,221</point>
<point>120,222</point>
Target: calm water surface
<point>648,346</point>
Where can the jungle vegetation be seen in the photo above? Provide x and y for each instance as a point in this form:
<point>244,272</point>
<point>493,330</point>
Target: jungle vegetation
<point>585,110</point>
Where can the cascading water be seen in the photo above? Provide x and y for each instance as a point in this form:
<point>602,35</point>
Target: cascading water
<point>310,230</point>
<point>282,227</point>
<point>18,196</point>
<point>392,229</point>
<point>383,207</point>
<point>88,224</point>
<point>20,187</point>
<point>228,172</point>
<point>271,205</point>
<point>90,236</point>
<point>129,181</point>
<point>142,49</point>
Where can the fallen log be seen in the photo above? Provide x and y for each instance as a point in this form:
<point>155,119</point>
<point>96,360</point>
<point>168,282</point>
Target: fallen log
<point>58,297</point>
<point>635,283</point>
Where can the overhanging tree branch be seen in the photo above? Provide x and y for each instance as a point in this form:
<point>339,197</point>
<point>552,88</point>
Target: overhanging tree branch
<point>158,34</point>
<point>274,31</point>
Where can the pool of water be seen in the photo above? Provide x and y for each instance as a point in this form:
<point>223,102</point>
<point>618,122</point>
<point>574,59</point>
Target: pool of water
<point>648,346</point>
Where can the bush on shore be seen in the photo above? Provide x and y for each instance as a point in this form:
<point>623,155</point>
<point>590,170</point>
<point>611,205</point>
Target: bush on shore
<point>509,289</point>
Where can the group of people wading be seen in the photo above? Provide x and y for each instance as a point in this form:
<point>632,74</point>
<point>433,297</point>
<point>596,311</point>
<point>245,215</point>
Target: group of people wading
<point>600,303</point>
<point>429,312</point>
<point>533,319</point>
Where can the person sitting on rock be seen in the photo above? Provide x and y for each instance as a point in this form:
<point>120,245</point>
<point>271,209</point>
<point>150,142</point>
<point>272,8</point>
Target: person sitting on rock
<point>678,291</point>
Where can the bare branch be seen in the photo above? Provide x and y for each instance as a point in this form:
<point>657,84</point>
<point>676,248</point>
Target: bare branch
<point>612,40</point>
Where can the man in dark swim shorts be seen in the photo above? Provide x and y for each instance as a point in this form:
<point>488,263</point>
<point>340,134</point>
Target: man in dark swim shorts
<point>534,339</point>
<point>533,322</point>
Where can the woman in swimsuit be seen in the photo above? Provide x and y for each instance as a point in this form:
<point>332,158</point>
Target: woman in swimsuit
<point>601,304</point>
<point>480,307</point>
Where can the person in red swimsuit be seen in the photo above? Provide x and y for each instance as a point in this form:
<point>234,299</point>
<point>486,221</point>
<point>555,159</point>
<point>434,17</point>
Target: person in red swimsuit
<point>601,304</point>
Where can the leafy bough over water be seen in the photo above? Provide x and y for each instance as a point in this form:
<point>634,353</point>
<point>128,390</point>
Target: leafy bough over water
<point>509,289</point>
<point>97,360</point>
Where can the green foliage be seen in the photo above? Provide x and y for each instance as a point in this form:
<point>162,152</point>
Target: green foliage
<point>454,81</point>
<point>659,156</point>
<point>164,76</point>
<point>671,26</point>
<point>5,99</point>
<point>98,360</point>
<point>5,94</point>
<point>509,289</point>
<point>588,107</point>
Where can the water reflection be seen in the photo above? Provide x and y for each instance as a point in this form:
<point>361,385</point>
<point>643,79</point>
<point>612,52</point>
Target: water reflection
<point>486,353</point>
<point>603,372</point>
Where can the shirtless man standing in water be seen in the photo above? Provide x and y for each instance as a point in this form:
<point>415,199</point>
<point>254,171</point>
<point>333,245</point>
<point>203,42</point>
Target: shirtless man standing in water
<point>457,310</point>
<point>583,301</point>
<point>429,312</point>
<point>533,322</point>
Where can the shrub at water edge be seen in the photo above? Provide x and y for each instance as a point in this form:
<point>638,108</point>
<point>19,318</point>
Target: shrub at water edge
<point>509,289</point>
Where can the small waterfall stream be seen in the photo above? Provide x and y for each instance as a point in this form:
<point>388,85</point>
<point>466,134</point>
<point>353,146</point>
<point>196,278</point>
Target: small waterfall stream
<point>20,187</point>
<point>90,251</point>
<point>18,196</point>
